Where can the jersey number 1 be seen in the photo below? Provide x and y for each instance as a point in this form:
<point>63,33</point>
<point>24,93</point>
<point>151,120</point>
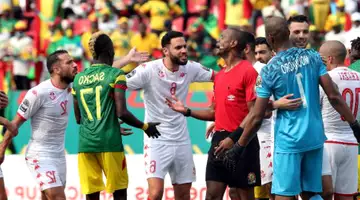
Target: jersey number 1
<point>86,91</point>
<point>354,102</point>
<point>301,89</point>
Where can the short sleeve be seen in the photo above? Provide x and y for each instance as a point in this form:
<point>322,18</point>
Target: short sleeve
<point>30,104</point>
<point>263,85</point>
<point>139,77</point>
<point>250,82</point>
<point>202,74</point>
<point>73,92</point>
<point>119,83</point>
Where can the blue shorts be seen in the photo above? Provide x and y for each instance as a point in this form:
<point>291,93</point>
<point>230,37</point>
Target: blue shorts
<point>297,172</point>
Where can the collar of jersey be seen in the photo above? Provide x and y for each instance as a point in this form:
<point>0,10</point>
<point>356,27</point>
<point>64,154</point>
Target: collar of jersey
<point>100,65</point>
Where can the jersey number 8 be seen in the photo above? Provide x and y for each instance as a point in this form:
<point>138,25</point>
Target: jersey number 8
<point>173,88</point>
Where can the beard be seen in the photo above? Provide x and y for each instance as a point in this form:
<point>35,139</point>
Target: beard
<point>67,79</point>
<point>177,60</point>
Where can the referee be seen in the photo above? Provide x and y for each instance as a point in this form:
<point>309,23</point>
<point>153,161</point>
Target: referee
<point>233,98</point>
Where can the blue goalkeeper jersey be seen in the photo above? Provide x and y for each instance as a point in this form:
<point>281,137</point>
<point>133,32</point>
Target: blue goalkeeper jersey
<point>295,71</point>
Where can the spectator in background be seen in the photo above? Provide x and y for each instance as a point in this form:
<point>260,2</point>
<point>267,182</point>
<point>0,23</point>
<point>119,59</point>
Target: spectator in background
<point>159,11</point>
<point>315,39</point>
<point>340,17</point>
<point>168,27</point>
<point>144,41</point>
<point>209,22</point>
<point>107,22</point>
<point>72,44</point>
<point>320,12</point>
<point>274,10</point>
<point>85,38</point>
<point>336,34</point>
<point>121,38</point>
<point>7,22</point>
<point>354,32</point>
<point>20,49</point>
<point>234,13</point>
<point>258,6</point>
<point>300,8</point>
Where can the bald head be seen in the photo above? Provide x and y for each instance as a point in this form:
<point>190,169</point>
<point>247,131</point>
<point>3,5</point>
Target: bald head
<point>334,49</point>
<point>277,32</point>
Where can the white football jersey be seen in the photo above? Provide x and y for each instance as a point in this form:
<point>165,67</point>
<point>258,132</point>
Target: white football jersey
<point>348,82</point>
<point>46,107</point>
<point>266,127</point>
<point>159,83</point>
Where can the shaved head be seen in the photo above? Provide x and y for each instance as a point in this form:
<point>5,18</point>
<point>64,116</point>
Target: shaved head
<point>277,32</point>
<point>334,49</point>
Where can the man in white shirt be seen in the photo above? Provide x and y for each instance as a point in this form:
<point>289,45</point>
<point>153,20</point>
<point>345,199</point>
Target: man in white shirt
<point>46,105</point>
<point>354,32</point>
<point>336,34</point>
<point>171,152</point>
<point>341,145</point>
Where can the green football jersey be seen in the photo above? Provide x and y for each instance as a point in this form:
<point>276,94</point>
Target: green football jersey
<point>355,66</point>
<point>99,127</point>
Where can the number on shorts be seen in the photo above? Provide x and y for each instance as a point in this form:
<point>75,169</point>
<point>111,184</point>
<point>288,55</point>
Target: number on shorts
<point>85,91</point>
<point>301,89</point>
<point>173,88</point>
<point>152,166</point>
<point>354,102</point>
<point>51,176</point>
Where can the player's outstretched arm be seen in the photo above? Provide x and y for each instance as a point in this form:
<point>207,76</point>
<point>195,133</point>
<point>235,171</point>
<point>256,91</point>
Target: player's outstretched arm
<point>205,115</point>
<point>132,56</point>
<point>12,131</point>
<point>126,116</point>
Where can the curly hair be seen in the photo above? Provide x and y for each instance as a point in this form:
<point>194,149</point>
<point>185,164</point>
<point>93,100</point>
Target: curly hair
<point>99,43</point>
<point>355,44</point>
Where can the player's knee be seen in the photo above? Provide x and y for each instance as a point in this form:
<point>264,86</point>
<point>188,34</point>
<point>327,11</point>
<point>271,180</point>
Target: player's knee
<point>155,194</point>
<point>3,196</point>
<point>55,195</point>
<point>212,195</point>
<point>327,193</point>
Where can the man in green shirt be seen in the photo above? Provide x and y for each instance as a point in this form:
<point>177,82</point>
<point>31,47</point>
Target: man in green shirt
<point>355,55</point>
<point>99,100</point>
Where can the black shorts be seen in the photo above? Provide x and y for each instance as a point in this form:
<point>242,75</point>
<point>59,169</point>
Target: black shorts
<point>247,172</point>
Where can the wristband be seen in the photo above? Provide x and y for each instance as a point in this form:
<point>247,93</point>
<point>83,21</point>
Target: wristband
<point>235,136</point>
<point>188,112</point>
<point>145,126</point>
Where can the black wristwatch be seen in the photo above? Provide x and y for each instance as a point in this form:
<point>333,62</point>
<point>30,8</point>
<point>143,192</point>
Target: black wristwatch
<point>188,112</point>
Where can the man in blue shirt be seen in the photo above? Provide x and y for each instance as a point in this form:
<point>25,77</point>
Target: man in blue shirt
<point>299,134</point>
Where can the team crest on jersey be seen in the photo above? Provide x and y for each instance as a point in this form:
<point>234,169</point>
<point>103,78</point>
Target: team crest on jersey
<point>161,74</point>
<point>25,105</point>
<point>258,81</point>
<point>131,74</point>
<point>52,95</point>
<point>182,74</point>
<point>251,178</point>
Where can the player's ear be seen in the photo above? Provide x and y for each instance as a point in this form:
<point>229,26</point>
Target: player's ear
<point>233,43</point>
<point>165,51</point>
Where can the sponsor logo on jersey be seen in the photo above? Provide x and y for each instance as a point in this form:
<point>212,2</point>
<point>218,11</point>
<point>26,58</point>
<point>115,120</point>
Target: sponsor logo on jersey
<point>205,68</point>
<point>251,178</point>
<point>231,97</point>
<point>25,105</point>
<point>131,74</point>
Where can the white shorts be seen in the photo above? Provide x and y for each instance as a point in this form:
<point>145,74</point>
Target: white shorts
<point>266,159</point>
<point>175,160</point>
<point>47,172</point>
<point>344,167</point>
<point>326,167</point>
